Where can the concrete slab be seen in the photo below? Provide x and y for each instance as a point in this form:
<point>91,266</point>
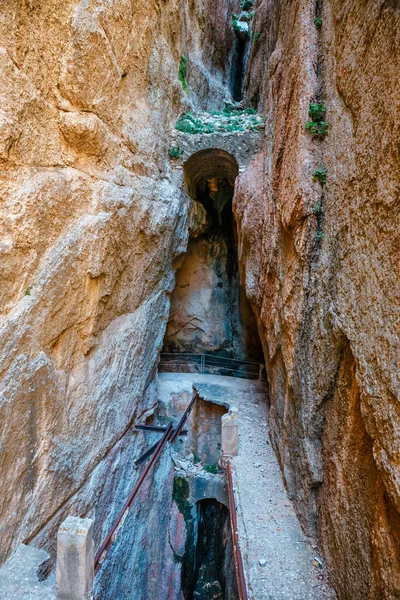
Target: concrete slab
<point>19,576</point>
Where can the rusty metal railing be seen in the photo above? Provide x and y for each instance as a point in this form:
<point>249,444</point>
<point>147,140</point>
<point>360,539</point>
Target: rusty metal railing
<point>170,435</point>
<point>237,555</point>
<point>211,364</point>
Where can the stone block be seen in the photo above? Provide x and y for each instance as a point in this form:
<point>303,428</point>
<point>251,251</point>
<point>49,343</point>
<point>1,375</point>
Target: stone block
<point>229,433</point>
<point>75,559</point>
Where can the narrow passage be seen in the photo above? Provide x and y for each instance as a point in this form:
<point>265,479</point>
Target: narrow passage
<point>281,562</point>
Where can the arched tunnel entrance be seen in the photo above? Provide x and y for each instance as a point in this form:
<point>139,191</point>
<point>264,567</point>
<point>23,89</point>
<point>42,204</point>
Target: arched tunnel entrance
<point>209,311</point>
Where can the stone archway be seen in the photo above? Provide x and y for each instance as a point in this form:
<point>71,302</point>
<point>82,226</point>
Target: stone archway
<point>209,312</point>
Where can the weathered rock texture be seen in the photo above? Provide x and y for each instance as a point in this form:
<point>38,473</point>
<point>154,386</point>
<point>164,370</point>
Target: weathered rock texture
<point>209,310</point>
<point>90,226</point>
<point>325,286</point>
<point>93,223</point>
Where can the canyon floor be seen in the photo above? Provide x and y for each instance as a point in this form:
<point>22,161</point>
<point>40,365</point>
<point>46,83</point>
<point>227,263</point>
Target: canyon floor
<point>281,562</point>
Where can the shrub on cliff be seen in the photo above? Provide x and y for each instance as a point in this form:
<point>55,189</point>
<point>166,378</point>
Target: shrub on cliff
<point>182,73</point>
<point>317,126</point>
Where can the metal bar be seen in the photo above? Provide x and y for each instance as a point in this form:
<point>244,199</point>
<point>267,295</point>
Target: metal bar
<point>250,362</point>
<point>241,580</point>
<point>108,541</point>
<point>185,415</point>
<point>186,354</point>
<point>155,428</point>
<point>243,374</point>
<point>231,364</point>
<point>150,427</point>
<point>152,448</point>
<point>145,454</point>
<point>226,367</point>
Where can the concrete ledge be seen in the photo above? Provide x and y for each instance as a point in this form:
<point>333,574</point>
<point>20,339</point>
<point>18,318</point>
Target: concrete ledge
<point>19,578</point>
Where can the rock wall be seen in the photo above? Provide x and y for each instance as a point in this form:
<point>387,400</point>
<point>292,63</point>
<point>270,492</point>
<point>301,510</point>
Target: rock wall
<point>321,267</point>
<point>91,223</point>
<point>209,311</point>
<point>145,560</point>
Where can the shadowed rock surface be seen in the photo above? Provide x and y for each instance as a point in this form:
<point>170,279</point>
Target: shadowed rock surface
<point>321,266</point>
<point>95,221</point>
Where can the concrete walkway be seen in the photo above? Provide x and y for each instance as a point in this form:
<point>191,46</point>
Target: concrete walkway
<point>19,576</point>
<point>281,562</point>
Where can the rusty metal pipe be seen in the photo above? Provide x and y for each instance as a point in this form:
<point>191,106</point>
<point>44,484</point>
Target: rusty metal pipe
<point>185,415</point>
<point>108,541</point>
<point>241,580</point>
<point>169,434</point>
<point>155,428</point>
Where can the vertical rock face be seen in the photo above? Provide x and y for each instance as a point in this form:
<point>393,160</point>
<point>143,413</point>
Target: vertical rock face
<point>90,225</point>
<point>209,311</point>
<point>321,267</point>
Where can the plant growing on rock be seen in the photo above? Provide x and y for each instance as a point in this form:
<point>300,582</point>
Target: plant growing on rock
<point>211,469</point>
<point>317,126</point>
<point>175,152</point>
<point>189,124</point>
<point>320,235</point>
<point>230,120</point>
<point>318,22</point>
<point>257,36</point>
<point>28,291</point>
<point>317,130</point>
<point>320,175</point>
<point>317,111</point>
<point>247,4</point>
<point>317,208</point>
<point>240,26</point>
<point>182,73</point>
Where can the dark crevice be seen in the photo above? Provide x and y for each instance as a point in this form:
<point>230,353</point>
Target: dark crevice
<point>208,558</point>
<point>238,71</point>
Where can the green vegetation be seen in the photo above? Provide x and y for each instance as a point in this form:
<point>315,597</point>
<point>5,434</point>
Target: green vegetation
<point>317,111</point>
<point>229,120</point>
<point>317,208</point>
<point>318,22</point>
<point>211,469</point>
<point>28,291</point>
<point>247,4</point>
<point>181,494</point>
<point>320,235</point>
<point>190,124</point>
<point>320,175</point>
<point>182,73</point>
<point>257,36</point>
<point>175,152</point>
<point>317,126</point>
<point>235,23</point>
<point>317,130</point>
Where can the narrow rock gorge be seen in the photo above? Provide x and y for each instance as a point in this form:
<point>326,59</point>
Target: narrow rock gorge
<point>198,177</point>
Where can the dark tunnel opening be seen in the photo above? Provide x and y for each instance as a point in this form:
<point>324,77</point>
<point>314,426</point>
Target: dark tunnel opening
<point>211,575</point>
